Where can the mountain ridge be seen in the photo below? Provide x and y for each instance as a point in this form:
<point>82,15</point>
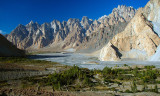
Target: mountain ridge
<point>65,34</point>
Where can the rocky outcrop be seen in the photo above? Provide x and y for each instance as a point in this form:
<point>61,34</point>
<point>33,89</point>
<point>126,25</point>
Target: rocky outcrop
<point>138,38</point>
<point>109,51</point>
<point>73,33</point>
<point>8,49</point>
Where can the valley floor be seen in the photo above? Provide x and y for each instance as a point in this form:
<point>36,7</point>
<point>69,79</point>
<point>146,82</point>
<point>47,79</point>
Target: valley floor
<point>22,76</point>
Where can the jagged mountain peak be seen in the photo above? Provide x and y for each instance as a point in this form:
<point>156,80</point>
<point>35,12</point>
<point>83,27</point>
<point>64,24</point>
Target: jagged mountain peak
<point>31,22</point>
<point>55,21</point>
<point>96,22</point>
<point>19,29</point>
<point>46,23</point>
<point>123,8</point>
<point>20,25</point>
<point>122,13</point>
<point>86,22</point>
<point>85,18</point>
<point>73,20</point>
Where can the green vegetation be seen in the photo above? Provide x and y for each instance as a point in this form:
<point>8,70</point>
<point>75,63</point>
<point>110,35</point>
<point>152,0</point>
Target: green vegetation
<point>24,63</point>
<point>70,77</point>
<point>76,79</point>
<point>146,75</point>
<point>149,67</point>
<point>23,60</point>
<point>82,79</point>
<point>125,65</point>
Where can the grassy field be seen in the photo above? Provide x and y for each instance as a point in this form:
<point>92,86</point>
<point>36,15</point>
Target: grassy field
<point>23,63</point>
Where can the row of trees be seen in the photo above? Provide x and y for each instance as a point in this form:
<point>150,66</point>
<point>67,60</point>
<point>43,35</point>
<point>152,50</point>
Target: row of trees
<point>69,77</point>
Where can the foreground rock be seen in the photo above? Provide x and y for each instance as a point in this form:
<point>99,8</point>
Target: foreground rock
<point>8,49</point>
<point>139,40</point>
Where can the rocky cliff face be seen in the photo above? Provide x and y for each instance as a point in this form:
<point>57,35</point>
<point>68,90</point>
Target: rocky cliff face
<point>139,40</point>
<point>72,33</point>
<point>96,40</point>
<point>8,49</point>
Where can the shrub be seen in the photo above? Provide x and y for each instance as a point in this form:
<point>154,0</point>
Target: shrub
<point>125,65</point>
<point>107,70</point>
<point>149,67</point>
<point>128,91</point>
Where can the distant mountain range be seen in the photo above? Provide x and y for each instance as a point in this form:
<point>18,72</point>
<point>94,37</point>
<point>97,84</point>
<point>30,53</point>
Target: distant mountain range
<point>85,34</point>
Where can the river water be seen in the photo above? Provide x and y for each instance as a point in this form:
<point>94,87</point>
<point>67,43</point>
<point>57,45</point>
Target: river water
<point>88,61</point>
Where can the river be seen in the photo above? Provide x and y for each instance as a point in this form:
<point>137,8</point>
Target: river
<point>89,62</point>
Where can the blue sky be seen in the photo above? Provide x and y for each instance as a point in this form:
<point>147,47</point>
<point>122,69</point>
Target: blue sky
<point>14,12</point>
